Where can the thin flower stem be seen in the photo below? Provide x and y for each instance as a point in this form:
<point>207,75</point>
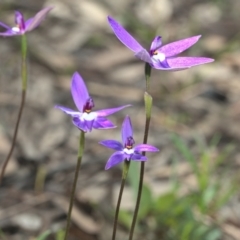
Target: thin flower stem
<point>24,92</point>
<point>24,62</point>
<point>124,176</point>
<point>79,160</point>
<point>148,69</point>
<point>148,109</point>
<point>140,185</point>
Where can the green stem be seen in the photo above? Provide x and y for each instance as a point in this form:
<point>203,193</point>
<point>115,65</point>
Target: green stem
<point>124,176</point>
<point>79,160</point>
<point>148,70</point>
<point>24,92</point>
<point>24,61</point>
<point>148,109</point>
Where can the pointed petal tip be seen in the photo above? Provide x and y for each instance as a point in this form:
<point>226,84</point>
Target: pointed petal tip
<point>36,20</point>
<point>49,7</point>
<point>124,36</point>
<point>197,36</point>
<point>107,167</point>
<point>76,74</point>
<point>109,18</point>
<point>109,111</point>
<point>211,60</point>
<point>58,106</point>
<point>127,118</point>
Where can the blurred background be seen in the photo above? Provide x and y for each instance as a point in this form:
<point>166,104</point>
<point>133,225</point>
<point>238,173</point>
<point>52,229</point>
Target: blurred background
<point>191,187</point>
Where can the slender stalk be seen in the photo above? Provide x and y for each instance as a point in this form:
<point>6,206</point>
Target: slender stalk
<point>24,92</point>
<point>24,62</point>
<point>124,176</point>
<point>148,109</point>
<point>148,70</point>
<point>140,185</point>
<point>79,160</point>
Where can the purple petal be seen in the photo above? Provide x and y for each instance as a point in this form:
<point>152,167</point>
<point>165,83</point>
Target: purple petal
<point>89,125</point>
<point>156,43</point>
<point>68,111</point>
<point>127,130</point>
<point>116,158</point>
<point>4,25</point>
<point>10,33</point>
<point>124,36</point>
<point>37,19</point>
<point>28,22</point>
<point>187,62</point>
<point>144,56</point>
<point>138,157</point>
<point>146,148</point>
<point>158,65</point>
<point>19,20</point>
<point>177,47</point>
<point>80,124</point>
<point>107,112</point>
<point>103,123</point>
<point>161,64</point>
<point>79,91</point>
<point>113,144</point>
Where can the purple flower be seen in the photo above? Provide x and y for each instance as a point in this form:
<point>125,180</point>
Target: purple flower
<point>160,57</point>
<point>125,150</point>
<point>23,26</point>
<point>84,118</point>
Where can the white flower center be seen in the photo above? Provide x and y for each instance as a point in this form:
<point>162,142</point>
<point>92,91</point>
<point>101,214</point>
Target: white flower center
<point>159,56</point>
<point>16,29</point>
<point>89,116</point>
<point>128,151</point>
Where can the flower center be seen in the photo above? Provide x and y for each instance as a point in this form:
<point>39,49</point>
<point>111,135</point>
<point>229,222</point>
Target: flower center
<point>16,29</point>
<point>88,116</point>
<point>88,106</point>
<point>158,56</point>
<point>129,143</point>
<point>128,151</point>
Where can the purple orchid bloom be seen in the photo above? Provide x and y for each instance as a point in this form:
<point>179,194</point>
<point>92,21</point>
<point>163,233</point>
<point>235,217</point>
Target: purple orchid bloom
<point>23,26</point>
<point>85,119</point>
<point>160,57</point>
<point>126,151</point>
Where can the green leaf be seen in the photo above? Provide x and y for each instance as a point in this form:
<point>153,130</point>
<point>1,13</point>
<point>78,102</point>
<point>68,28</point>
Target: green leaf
<point>133,176</point>
<point>125,218</point>
<point>187,229</point>
<point>214,234</point>
<point>209,194</point>
<point>44,235</point>
<point>146,202</point>
<point>184,150</point>
<point>60,234</point>
<point>165,202</point>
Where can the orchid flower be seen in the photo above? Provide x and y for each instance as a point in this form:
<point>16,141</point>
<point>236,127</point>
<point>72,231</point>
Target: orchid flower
<point>23,26</point>
<point>125,150</point>
<point>160,57</point>
<point>85,119</point>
